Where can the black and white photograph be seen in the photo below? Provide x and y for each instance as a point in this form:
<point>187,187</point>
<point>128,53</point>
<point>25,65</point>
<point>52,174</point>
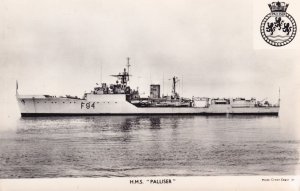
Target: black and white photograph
<point>141,94</point>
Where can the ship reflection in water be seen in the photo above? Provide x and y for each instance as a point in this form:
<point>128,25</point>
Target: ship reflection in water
<point>115,146</point>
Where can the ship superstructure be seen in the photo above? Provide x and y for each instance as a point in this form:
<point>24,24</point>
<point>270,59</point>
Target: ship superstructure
<point>120,99</point>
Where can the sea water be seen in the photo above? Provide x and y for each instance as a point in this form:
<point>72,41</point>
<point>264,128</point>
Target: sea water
<point>118,146</point>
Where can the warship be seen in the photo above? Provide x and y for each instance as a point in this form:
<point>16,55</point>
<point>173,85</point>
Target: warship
<point>120,99</point>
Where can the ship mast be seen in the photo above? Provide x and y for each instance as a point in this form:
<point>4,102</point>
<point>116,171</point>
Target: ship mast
<point>279,97</point>
<point>181,85</point>
<point>101,73</point>
<point>124,76</point>
<point>163,85</point>
<point>128,65</point>
<point>17,87</point>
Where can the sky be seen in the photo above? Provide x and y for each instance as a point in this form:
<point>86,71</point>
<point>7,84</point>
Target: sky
<point>67,46</point>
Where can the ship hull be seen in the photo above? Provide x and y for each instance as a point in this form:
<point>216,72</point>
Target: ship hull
<point>133,114</point>
<point>36,106</point>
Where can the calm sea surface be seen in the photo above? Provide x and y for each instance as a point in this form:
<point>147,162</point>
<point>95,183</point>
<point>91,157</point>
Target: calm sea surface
<point>116,146</point>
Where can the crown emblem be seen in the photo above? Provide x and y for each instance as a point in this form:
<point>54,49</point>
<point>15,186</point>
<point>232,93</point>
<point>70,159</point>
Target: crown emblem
<point>278,6</point>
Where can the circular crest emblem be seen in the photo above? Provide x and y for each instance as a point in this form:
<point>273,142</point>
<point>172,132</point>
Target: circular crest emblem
<point>278,28</point>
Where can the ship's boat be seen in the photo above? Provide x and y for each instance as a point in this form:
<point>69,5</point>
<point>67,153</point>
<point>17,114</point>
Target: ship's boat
<point>120,99</point>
